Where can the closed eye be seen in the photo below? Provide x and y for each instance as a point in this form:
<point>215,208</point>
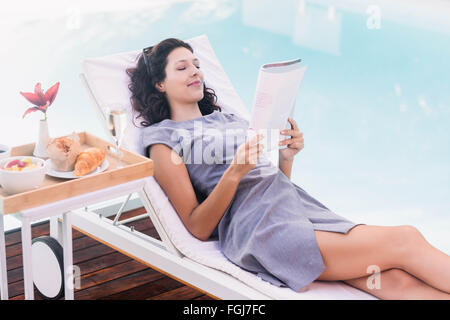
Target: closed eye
<point>198,67</point>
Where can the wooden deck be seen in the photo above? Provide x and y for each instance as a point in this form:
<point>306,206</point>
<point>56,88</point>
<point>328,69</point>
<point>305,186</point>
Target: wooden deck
<point>105,273</point>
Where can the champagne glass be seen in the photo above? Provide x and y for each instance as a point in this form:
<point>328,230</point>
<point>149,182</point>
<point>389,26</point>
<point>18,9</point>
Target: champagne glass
<point>116,120</point>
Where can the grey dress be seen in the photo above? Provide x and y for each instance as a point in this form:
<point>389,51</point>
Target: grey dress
<point>268,228</point>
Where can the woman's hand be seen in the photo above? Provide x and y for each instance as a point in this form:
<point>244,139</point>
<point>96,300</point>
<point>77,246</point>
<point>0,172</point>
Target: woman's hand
<point>246,157</point>
<point>294,145</point>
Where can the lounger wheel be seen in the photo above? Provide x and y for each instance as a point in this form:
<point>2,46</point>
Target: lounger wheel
<point>48,267</point>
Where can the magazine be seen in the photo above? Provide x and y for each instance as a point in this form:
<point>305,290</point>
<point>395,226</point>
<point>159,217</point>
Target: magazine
<point>274,102</point>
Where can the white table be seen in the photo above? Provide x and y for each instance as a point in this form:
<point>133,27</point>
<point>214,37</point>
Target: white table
<point>60,231</point>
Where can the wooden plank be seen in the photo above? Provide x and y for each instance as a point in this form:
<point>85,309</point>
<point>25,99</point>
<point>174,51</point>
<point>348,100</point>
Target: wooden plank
<point>146,290</point>
<point>110,273</point>
<point>203,297</point>
<point>15,275</point>
<point>118,285</point>
<point>102,262</point>
<point>90,253</point>
<point>55,189</point>
<point>181,293</point>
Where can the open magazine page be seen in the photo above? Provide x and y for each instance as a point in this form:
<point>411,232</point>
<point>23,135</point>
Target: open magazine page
<point>276,91</point>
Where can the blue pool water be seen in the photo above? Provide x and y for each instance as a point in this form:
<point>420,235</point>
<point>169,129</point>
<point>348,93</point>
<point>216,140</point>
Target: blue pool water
<point>374,106</point>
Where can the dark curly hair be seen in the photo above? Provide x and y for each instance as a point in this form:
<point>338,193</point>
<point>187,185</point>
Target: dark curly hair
<point>151,104</point>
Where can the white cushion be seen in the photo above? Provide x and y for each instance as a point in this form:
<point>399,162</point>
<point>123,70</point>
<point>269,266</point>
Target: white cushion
<point>108,81</point>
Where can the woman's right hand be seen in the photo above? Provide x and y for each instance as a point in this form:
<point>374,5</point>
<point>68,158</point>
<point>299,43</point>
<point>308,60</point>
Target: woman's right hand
<point>246,156</point>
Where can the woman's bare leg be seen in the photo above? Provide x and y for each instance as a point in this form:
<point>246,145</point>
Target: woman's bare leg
<point>348,256</point>
<point>396,284</point>
<point>429,264</point>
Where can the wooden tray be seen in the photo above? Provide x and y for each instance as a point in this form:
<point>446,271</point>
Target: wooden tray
<point>54,189</point>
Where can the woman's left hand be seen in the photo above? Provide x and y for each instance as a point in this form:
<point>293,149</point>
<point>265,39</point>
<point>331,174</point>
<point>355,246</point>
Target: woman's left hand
<point>294,145</point>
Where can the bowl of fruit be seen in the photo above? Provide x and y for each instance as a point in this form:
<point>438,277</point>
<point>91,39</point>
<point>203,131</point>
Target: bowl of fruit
<point>21,173</point>
<point>5,151</point>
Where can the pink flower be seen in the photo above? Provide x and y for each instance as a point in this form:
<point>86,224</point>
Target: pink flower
<point>39,99</point>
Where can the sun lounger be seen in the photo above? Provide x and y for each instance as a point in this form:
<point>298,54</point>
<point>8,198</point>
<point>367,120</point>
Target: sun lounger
<point>200,264</point>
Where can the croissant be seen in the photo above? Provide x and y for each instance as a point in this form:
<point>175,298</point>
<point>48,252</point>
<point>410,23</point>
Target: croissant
<point>88,161</point>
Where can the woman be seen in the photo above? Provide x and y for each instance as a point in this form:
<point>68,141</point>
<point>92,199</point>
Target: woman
<point>265,223</point>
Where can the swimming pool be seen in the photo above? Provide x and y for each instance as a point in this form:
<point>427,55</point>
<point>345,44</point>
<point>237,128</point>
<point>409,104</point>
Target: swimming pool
<point>374,106</point>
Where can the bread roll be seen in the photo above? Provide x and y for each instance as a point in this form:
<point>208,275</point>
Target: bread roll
<point>88,161</point>
<point>63,152</point>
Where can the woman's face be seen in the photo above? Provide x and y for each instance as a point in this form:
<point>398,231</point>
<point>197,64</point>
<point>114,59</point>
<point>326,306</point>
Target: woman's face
<point>184,80</point>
